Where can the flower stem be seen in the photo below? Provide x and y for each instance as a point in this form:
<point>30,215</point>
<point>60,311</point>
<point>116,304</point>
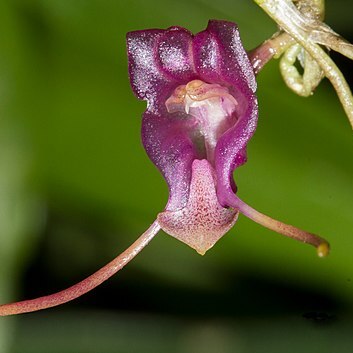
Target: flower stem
<point>308,33</point>
<point>271,48</point>
<point>85,285</point>
<point>322,246</point>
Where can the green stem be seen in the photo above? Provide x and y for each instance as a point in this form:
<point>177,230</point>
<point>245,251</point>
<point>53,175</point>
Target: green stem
<point>304,30</point>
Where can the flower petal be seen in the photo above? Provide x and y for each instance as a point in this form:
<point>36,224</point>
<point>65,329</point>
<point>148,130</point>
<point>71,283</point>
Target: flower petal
<point>231,150</point>
<point>203,221</point>
<point>221,58</point>
<point>147,79</point>
<point>158,60</point>
<point>175,54</point>
<point>168,145</point>
<point>153,77</point>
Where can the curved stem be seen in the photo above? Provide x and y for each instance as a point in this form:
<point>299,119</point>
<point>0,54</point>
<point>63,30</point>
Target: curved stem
<point>85,285</point>
<point>304,31</point>
<point>322,246</point>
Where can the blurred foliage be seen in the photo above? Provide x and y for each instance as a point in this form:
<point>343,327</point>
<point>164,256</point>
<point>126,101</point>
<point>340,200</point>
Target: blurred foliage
<point>70,124</point>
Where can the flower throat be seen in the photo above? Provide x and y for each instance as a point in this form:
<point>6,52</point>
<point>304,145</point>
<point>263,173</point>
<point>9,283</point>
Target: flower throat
<point>210,107</point>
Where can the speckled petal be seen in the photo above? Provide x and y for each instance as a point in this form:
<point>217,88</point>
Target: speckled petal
<point>147,80</point>
<point>175,54</point>
<point>203,221</point>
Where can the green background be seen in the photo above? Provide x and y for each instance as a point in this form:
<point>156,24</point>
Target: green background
<point>76,188</point>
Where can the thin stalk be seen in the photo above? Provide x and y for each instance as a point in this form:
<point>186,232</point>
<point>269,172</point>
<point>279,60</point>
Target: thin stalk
<point>271,48</point>
<point>321,245</point>
<point>304,31</point>
<point>332,40</point>
<point>85,285</point>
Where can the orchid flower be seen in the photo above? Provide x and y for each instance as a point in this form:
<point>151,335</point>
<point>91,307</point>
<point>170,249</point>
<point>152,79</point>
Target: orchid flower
<point>201,113</point>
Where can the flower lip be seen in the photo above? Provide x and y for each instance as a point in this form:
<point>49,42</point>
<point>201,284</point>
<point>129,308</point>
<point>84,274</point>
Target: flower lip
<point>203,221</point>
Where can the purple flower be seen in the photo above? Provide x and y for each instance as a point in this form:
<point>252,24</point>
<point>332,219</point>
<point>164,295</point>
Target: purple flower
<point>201,113</point>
